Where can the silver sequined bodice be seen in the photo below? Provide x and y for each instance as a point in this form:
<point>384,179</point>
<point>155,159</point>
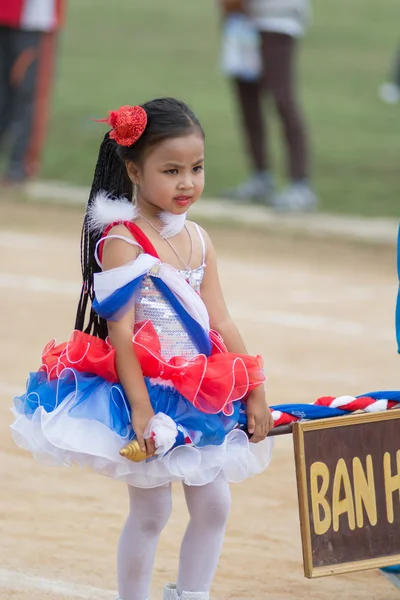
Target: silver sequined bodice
<point>152,306</point>
<point>194,277</point>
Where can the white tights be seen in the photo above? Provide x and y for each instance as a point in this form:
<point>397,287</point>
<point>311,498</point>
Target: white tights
<point>201,546</point>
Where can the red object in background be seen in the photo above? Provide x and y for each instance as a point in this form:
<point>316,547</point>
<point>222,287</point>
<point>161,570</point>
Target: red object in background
<point>12,13</point>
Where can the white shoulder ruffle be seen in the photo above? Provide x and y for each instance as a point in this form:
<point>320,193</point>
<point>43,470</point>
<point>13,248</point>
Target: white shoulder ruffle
<point>107,282</point>
<point>105,210</point>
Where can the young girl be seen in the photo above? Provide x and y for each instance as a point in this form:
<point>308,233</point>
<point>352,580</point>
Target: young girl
<point>157,386</point>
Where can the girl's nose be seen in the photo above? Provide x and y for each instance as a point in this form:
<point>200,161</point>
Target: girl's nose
<point>186,183</point>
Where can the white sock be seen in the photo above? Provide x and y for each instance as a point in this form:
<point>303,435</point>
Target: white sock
<point>149,512</point>
<point>202,543</point>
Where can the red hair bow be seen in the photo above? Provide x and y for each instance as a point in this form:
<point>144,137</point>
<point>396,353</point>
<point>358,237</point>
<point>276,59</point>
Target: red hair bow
<point>128,124</point>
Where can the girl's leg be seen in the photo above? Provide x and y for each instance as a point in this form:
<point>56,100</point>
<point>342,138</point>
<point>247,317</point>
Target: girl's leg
<point>201,546</point>
<point>149,512</point>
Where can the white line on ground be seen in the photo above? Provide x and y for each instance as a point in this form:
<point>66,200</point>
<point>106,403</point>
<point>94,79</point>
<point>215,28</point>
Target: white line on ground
<point>30,241</point>
<point>20,581</point>
<point>14,239</point>
<point>350,293</point>
<point>312,323</point>
<point>268,317</point>
<point>39,284</point>
<point>274,370</point>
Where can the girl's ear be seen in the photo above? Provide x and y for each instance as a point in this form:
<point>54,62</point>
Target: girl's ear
<point>133,171</point>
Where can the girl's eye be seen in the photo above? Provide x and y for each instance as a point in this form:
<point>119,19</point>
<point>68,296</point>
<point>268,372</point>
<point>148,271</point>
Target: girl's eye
<point>171,171</point>
<point>198,168</point>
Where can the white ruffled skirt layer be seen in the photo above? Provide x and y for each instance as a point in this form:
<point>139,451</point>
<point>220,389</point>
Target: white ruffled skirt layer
<point>56,438</point>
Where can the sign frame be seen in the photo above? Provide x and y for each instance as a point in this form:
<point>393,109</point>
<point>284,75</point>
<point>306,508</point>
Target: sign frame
<point>299,429</point>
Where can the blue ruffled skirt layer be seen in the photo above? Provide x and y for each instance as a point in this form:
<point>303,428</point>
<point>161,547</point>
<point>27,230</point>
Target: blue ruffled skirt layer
<point>81,418</point>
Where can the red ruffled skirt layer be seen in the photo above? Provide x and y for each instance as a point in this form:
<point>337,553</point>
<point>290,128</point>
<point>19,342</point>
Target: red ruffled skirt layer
<point>211,383</point>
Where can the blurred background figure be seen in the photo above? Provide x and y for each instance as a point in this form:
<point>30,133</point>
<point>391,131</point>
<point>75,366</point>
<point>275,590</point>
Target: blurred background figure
<point>270,29</point>
<point>28,30</point>
<point>390,91</point>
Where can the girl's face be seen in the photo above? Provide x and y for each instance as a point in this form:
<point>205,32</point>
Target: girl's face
<point>171,177</point>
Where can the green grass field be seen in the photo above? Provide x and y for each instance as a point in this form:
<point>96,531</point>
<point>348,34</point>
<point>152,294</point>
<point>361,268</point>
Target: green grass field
<point>128,51</point>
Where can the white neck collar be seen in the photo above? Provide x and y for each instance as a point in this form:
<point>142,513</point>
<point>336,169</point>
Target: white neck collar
<point>171,224</point>
<point>105,210</point>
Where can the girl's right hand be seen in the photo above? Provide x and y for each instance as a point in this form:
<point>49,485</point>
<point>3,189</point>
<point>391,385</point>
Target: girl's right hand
<point>140,419</point>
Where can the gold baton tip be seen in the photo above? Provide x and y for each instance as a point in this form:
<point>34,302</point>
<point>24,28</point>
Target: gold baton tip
<point>132,451</point>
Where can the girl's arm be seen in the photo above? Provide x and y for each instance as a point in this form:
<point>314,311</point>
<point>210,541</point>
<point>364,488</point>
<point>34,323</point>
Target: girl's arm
<point>115,254</point>
<point>258,414</point>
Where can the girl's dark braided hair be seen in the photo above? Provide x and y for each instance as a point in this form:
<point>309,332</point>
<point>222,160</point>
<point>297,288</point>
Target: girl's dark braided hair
<point>166,118</point>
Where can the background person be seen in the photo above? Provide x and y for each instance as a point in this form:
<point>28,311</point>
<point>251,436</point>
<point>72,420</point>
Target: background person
<point>280,24</point>
<point>28,33</point>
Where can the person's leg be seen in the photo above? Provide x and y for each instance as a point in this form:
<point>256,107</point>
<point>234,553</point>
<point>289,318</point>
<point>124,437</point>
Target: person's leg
<point>30,79</point>
<point>23,48</point>
<point>47,52</point>
<point>249,100</point>
<point>396,70</point>
<point>5,80</point>
<point>279,53</point>
<point>390,91</point>
<point>279,78</point>
<point>202,543</point>
<point>149,513</point>
<point>250,109</point>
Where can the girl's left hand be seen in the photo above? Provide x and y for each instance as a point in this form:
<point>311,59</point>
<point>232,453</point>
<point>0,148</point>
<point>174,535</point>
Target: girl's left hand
<point>259,418</point>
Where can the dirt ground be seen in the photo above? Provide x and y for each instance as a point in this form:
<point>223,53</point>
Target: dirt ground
<point>321,313</point>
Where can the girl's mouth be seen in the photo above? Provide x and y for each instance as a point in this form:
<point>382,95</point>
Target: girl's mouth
<point>182,200</point>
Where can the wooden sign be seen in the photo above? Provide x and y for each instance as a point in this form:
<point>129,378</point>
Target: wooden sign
<point>348,481</point>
